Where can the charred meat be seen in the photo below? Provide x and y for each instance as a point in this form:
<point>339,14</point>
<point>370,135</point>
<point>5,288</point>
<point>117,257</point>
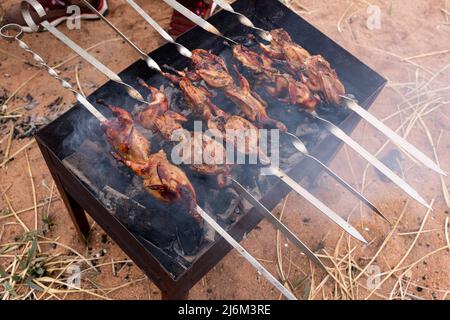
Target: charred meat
<point>213,70</point>
<point>205,156</point>
<point>165,181</point>
<point>199,101</point>
<point>162,180</point>
<point>313,70</point>
<point>251,104</point>
<point>157,116</point>
<point>121,133</point>
<point>193,147</point>
<point>282,86</point>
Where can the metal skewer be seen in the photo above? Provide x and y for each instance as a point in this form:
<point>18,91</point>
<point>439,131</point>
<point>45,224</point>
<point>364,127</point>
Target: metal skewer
<point>202,23</point>
<point>334,217</point>
<point>335,131</point>
<point>150,62</point>
<point>338,133</point>
<point>275,221</point>
<point>401,142</point>
<point>13,27</point>
<point>181,49</point>
<point>350,103</point>
<point>41,62</point>
<point>72,45</point>
<point>244,20</point>
<point>300,146</point>
<point>245,254</point>
<point>187,53</point>
<point>392,135</point>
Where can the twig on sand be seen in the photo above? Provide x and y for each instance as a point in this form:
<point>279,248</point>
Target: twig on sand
<point>280,270</point>
<point>394,228</point>
<point>46,202</point>
<point>445,192</point>
<point>445,12</point>
<point>8,143</point>
<point>33,189</point>
<point>78,80</point>
<point>8,202</point>
<point>343,16</point>
<point>425,55</point>
<point>55,67</point>
<point>446,233</point>
<point>16,153</point>
<point>297,6</point>
<point>393,270</point>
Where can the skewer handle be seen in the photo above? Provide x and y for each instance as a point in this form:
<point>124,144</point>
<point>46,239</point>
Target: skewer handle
<point>244,20</point>
<point>150,62</point>
<point>25,9</point>
<point>41,62</point>
<point>202,23</point>
<point>181,49</point>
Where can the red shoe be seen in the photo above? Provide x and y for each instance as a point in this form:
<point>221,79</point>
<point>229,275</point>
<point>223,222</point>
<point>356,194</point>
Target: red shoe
<point>180,24</point>
<point>56,12</point>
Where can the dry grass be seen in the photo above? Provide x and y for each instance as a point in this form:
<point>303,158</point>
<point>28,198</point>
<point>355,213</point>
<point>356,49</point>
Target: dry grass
<point>33,271</point>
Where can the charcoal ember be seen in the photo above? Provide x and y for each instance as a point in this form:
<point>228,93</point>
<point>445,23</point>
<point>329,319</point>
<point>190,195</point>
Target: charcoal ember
<point>134,189</point>
<point>123,195</point>
<point>228,199</point>
<point>189,238</point>
<point>94,170</point>
<point>121,205</point>
<point>209,233</point>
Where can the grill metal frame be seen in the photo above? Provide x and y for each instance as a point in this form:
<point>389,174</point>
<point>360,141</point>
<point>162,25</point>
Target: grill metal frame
<point>359,79</point>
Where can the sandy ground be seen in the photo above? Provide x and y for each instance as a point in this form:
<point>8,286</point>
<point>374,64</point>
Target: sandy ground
<point>413,265</point>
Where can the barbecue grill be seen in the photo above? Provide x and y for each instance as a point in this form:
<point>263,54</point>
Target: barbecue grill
<point>163,241</point>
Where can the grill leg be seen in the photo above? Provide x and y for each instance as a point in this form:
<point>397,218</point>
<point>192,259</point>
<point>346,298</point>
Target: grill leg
<point>179,295</point>
<point>76,212</point>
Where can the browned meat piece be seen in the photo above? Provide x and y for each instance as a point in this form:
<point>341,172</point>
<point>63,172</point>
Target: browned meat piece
<point>124,137</point>
<point>198,98</point>
<point>211,68</point>
<point>314,71</point>
<point>275,49</point>
<point>157,116</point>
<point>165,181</point>
<point>283,48</point>
<point>244,130</point>
<point>280,85</point>
<point>320,77</point>
<point>166,122</point>
<point>251,104</point>
<point>218,119</point>
<point>239,132</point>
<point>259,64</point>
<point>205,155</point>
